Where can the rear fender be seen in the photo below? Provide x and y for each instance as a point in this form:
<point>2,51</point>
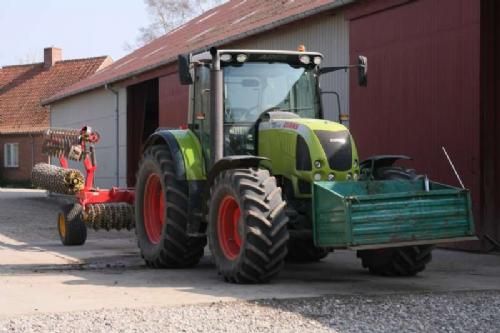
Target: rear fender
<point>186,152</point>
<point>189,167</point>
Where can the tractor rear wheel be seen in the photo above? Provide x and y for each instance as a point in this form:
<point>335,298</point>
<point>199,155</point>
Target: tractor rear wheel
<point>161,213</point>
<point>247,225</point>
<point>396,261</point>
<point>72,230</point>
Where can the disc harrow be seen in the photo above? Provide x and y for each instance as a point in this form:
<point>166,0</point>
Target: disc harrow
<point>99,209</point>
<point>61,142</point>
<point>109,216</point>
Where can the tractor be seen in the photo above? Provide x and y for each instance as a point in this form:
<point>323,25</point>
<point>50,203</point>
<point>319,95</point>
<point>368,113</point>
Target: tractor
<point>262,177</point>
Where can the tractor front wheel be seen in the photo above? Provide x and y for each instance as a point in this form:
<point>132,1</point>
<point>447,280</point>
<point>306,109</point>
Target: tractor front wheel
<point>72,230</point>
<point>247,230</point>
<point>396,261</point>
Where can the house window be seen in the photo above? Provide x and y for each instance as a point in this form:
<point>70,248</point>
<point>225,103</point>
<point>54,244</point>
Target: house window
<point>11,155</point>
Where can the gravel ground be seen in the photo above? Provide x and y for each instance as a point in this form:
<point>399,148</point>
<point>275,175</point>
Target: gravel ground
<point>445,312</point>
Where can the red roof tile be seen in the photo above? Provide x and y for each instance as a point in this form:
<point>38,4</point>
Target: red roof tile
<point>231,21</point>
<point>23,87</point>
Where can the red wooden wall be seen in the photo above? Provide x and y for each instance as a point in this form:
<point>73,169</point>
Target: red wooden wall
<point>423,85</point>
<point>174,101</point>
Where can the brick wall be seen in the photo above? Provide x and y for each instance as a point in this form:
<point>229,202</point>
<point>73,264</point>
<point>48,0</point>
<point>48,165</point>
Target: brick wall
<point>30,153</point>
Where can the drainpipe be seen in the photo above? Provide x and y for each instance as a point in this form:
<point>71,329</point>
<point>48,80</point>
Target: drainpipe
<point>32,150</point>
<point>117,119</point>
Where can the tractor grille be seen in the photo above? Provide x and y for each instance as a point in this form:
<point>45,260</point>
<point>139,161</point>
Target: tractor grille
<point>302,154</point>
<point>338,149</point>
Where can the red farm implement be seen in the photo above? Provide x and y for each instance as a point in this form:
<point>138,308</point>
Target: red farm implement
<point>108,209</point>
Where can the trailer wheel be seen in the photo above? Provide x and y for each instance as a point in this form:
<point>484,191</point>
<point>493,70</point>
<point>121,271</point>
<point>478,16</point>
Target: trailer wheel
<point>161,211</point>
<point>303,251</point>
<point>72,230</point>
<point>396,261</point>
<point>247,230</point>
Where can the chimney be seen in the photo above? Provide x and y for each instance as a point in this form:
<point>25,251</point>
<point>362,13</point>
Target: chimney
<point>51,55</point>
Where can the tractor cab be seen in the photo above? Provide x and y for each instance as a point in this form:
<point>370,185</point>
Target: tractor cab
<point>254,82</point>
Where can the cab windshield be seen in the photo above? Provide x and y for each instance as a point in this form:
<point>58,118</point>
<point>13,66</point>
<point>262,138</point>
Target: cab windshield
<point>255,87</point>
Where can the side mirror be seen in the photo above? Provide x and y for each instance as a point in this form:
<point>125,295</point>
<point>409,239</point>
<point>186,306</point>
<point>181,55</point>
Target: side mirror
<point>184,61</point>
<point>362,71</point>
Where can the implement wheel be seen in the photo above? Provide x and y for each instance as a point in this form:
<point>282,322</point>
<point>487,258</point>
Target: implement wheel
<point>161,211</point>
<point>72,230</point>
<point>396,261</point>
<point>247,231</point>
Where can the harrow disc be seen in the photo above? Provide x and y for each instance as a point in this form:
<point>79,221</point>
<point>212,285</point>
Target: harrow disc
<point>59,142</point>
<point>109,216</point>
<point>56,179</point>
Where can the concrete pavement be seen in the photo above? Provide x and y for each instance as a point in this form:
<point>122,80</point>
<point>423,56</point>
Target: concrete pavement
<point>38,274</point>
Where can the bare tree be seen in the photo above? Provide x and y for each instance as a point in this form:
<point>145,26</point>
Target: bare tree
<point>167,15</point>
<point>29,58</point>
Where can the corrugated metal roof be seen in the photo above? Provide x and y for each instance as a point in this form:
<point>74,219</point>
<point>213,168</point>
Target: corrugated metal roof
<point>231,21</point>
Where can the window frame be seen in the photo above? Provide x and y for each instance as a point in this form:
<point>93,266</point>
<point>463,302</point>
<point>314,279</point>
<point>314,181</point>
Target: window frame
<point>11,155</point>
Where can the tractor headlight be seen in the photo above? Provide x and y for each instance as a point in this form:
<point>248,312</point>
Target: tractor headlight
<point>317,60</point>
<point>241,57</point>
<point>317,164</point>
<point>331,177</point>
<point>226,57</point>
<point>305,59</point>
<point>317,176</point>
<point>349,176</point>
<point>356,176</point>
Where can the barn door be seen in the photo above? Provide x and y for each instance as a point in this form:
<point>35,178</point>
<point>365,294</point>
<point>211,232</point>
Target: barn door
<point>490,123</point>
<point>142,121</point>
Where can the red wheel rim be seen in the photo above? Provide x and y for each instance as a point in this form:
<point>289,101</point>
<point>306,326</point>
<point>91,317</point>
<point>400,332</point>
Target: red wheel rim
<point>228,227</point>
<point>154,208</point>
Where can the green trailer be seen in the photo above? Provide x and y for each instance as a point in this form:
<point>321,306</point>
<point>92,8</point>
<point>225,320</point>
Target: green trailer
<point>378,214</point>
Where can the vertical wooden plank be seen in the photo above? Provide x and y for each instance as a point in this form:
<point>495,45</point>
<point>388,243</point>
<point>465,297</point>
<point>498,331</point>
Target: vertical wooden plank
<point>173,101</point>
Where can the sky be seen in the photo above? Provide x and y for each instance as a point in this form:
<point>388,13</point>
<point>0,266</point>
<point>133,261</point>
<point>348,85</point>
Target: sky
<point>81,28</point>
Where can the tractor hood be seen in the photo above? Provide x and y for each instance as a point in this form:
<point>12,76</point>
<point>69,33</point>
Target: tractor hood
<point>308,149</point>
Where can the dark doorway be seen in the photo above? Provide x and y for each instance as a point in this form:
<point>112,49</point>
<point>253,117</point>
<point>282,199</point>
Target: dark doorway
<point>142,121</point>
<point>490,123</point>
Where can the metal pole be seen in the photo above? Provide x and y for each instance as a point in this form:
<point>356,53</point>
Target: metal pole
<point>217,111</point>
<point>117,119</point>
<point>453,167</point>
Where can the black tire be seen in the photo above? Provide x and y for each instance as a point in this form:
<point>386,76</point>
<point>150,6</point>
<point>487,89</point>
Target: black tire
<point>173,247</point>
<point>396,261</point>
<point>304,251</point>
<point>72,230</point>
<point>261,225</point>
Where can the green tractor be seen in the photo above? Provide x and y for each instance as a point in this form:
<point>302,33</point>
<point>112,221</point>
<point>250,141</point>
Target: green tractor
<point>262,176</point>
